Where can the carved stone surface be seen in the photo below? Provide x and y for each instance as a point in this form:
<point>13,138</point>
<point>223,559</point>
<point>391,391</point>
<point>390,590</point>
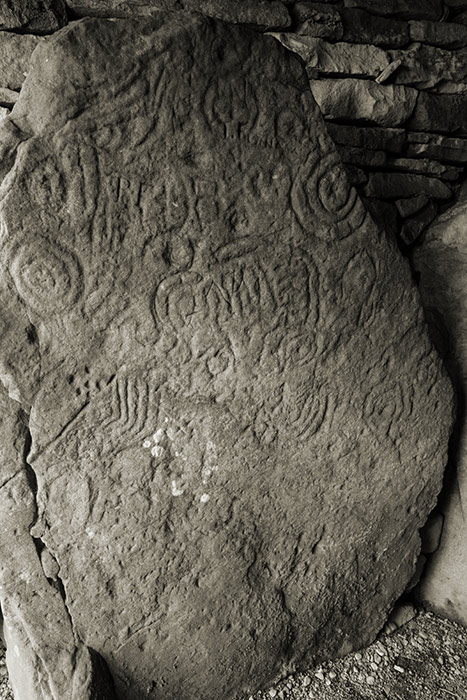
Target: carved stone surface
<point>238,422</point>
<point>442,264</point>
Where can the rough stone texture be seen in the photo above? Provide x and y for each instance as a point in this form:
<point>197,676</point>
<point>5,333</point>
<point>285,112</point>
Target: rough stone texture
<point>443,113</point>
<point>361,27</point>
<point>407,9</point>
<point>413,228</point>
<point>324,58</point>
<point>8,97</point>
<point>442,264</point>
<point>15,53</point>
<point>446,34</point>
<point>425,66</point>
<point>237,420</point>
<point>372,138</point>
<point>364,100</point>
<point>317,20</point>
<point>32,16</point>
<point>121,8</point>
<point>425,166</point>
<point>362,157</point>
<point>411,205</point>
<point>264,14</point>
<point>396,185</point>
<point>443,148</point>
<point>44,656</point>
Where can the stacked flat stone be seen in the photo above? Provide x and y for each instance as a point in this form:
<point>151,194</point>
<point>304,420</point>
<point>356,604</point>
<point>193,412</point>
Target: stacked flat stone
<point>391,81</point>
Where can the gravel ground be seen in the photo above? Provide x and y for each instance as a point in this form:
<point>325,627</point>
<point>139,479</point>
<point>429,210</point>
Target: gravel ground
<point>424,659</point>
<point>5,690</point>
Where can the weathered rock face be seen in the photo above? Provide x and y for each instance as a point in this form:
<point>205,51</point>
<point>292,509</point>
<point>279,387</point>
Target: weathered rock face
<point>33,16</point>
<point>262,14</point>
<point>237,419</point>
<point>442,263</point>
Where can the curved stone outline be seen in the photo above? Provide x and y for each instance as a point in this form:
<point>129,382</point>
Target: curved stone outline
<point>47,276</point>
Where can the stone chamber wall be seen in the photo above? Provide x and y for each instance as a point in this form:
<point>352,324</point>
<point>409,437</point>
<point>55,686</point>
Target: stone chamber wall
<point>390,80</point>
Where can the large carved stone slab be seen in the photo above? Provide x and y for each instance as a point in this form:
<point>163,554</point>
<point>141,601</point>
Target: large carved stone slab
<point>442,264</point>
<point>238,421</point>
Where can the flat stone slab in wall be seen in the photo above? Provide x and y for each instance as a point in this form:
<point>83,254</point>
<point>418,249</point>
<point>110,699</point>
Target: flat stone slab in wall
<point>236,421</point>
<point>442,263</point>
<point>263,14</point>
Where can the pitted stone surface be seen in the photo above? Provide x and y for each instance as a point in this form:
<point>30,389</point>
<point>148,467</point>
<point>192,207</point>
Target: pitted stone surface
<point>238,420</point>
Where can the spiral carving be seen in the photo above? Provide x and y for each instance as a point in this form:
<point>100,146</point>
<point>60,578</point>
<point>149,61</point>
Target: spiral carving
<point>47,276</point>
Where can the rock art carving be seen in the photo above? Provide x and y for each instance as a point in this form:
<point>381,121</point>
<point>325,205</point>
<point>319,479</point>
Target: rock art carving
<point>237,420</point>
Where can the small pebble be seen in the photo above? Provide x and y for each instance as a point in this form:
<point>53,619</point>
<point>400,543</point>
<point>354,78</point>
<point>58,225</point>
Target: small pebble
<point>374,667</point>
<point>332,674</point>
<point>306,680</point>
<point>328,681</point>
<point>440,660</point>
<point>272,693</point>
<point>370,680</point>
<point>358,656</point>
<point>319,674</point>
<point>398,668</point>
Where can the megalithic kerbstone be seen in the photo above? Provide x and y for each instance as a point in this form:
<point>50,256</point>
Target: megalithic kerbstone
<point>238,421</point>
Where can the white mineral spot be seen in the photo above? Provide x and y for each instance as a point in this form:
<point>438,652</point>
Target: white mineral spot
<point>157,451</point>
<point>176,491</point>
<point>177,454</point>
<point>204,498</point>
<point>166,420</point>
<point>171,434</point>
<point>147,444</point>
<point>90,533</point>
<point>158,435</point>
<point>16,650</point>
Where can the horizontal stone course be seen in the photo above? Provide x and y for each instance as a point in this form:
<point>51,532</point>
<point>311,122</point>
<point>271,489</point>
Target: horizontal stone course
<point>375,138</point>
<point>398,185</point>
<point>448,34</point>
<point>443,148</point>
<point>406,9</point>
<point>443,113</point>
<point>364,101</point>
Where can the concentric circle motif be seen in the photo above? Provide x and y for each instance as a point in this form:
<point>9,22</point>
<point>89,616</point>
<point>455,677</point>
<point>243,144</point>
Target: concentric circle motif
<point>48,277</point>
<point>322,198</point>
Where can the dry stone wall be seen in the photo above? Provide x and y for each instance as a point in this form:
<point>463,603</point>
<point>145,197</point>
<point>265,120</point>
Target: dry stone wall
<point>391,81</point>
